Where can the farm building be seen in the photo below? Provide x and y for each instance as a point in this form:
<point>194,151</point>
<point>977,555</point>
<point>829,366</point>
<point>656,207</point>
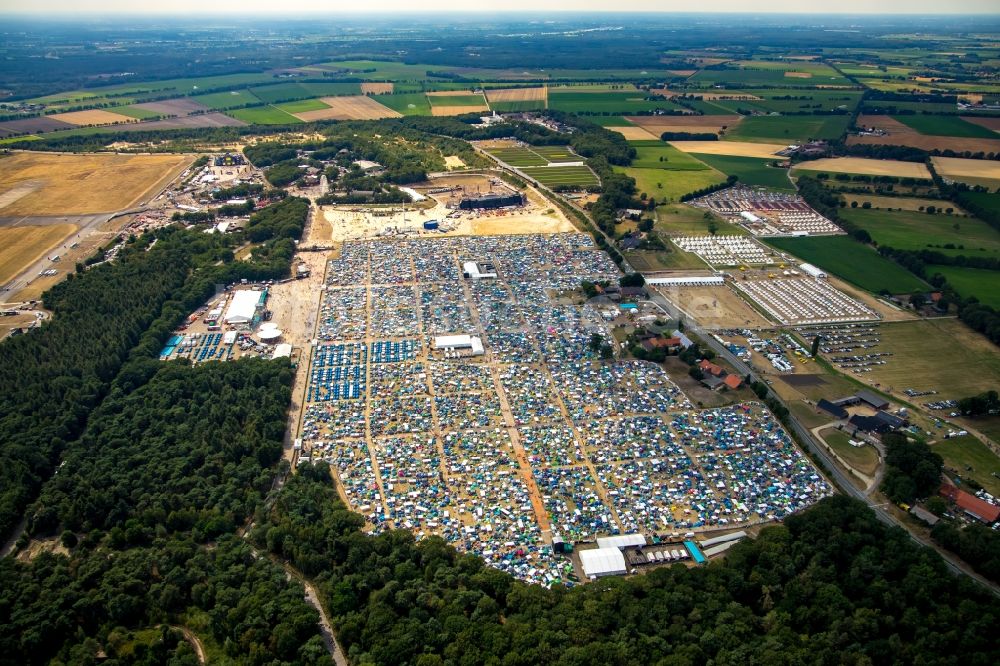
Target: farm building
<point>601,562</point>
<point>243,307</point>
<point>873,400</point>
<point>970,504</point>
<point>492,201</point>
<point>832,408</point>
<point>882,422</point>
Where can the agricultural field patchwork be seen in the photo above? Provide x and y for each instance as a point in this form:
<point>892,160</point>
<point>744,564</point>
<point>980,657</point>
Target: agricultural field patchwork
<point>750,170</point>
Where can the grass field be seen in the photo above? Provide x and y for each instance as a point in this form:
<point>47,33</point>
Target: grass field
<point>302,106</point>
<point>144,90</point>
<point>983,284</point>
<point>456,100</point>
<point>264,115</point>
<point>788,128</point>
<point>624,103</point>
<point>535,155</point>
<point>987,200</point>
<point>863,458</point>
<point>666,186</point>
<point>409,104</point>
<point>612,121</point>
<point>913,230</point>
<point>854,262</point>
<point>659,155</point>
<point>945,126</point>
<point>280,91</point>
<point>22,246</point>
<point>55,184</point>
<point>683,220</point>
<point>750,170</point>
<point>227,100</point>
<point>966,451</point>
<point>943,355</point>
<point>324,89</point>
<point>562,175</point>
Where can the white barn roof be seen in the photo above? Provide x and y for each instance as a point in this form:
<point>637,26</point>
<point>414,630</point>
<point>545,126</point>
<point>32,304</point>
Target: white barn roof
<point>603,562</point>
<point>243,306</point>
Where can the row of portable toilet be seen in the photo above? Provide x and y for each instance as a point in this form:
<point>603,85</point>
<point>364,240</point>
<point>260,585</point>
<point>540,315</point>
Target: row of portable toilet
<point>666,555</point>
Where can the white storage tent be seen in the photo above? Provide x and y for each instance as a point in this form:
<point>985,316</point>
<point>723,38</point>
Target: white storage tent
<point>243,307</point>
<point>603,562</point>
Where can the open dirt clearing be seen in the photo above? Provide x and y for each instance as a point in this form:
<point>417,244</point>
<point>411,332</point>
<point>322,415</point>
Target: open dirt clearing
<point>798,75</point>
<point>377,88</point>
<point>956,167</point>
<point>173,107</point>
<point>84,184</point>
<point>715,307</point>
<point>988,123</point>
<point>516,95</point>
<point>866,166</point>
<point>93,117</point>
<point>454,162</point>
<point>457,110</point>
<point>734,148</point>
<point>902,135</point>
<point>355,107</point>
<point>22,246</point>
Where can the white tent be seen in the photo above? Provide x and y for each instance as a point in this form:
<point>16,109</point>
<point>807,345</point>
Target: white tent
<point>603,562</point>
<point>243,307</point>
<point>621,541</point>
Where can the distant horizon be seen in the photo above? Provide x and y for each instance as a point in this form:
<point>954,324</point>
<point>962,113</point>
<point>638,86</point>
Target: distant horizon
<point>123,9</point>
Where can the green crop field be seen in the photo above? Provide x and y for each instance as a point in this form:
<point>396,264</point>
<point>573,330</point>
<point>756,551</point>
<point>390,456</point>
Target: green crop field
<point>805,100</point>
<point>684,220</point>
<point>913,230</point>
<point>625,103</point>
<point>966,451</point>
<point>457,100</point>
<point>264,115</point>
<point>409,104</point>
<point>302,106</point>
<point>659,155</point>
<point>983,284</point>
<point>665,186</point>
<point>519,157</point>
<point>380,70</point>
<point>227,100</point>
<point>557,153</point>
<point>324,89</point>
<point>750,170</point>
<point>134,112</point>
<point>280,91</point>
<point>919,107</point>
<point>773,73</point>
<point>555,176</point>
<point>989,201</point>
<point>141,91</point>
<point>611,121</point>
<point>946,126</point>
<point>780,129</point>
<point>853,261</point>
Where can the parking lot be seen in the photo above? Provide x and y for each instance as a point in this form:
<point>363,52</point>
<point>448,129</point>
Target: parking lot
<point>501,444</point>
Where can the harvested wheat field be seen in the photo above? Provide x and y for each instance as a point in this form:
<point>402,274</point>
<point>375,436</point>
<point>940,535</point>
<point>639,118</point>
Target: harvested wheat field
<point>733,148</point>
<point>956,167</point>
<point>457,110</point>
<point>454,162</point>
<point>902,203</point>
<point>902,135</point>
<point>82,184</point>
<point>863,165</point>
<point>22,246</point>
<point>378,88</point>
<point>93,117</point>
<point>516,95</point>
<point>355,107</point>
<point>657,125</point>
<point>798,75</point>
<point>635,133</point>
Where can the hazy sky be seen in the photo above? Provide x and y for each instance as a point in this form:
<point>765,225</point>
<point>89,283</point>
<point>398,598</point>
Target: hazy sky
<point>334,7</point>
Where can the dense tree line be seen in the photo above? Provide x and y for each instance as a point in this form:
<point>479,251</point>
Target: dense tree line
<point>689,136</point>
<point>830,585</point>
<point>284,219</point>
<point>976,544</point>
<point>982,404</point>
<point>912,469</point>
<point>728,182</point>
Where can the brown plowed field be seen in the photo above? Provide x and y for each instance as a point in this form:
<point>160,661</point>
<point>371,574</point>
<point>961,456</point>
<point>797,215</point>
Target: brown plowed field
<point>516,95</point>
<point>988,123</point>
<point>457,110</point>
<point>356,107</point>
<point>181,106</point>
<point>32,125</point>
<point>377,88</point>
<point>83,184</point>
<point>798,75</point>
<point>199,120</point>
<point>901,135</point>
<point>660,124</point>
<point>93,117</point>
